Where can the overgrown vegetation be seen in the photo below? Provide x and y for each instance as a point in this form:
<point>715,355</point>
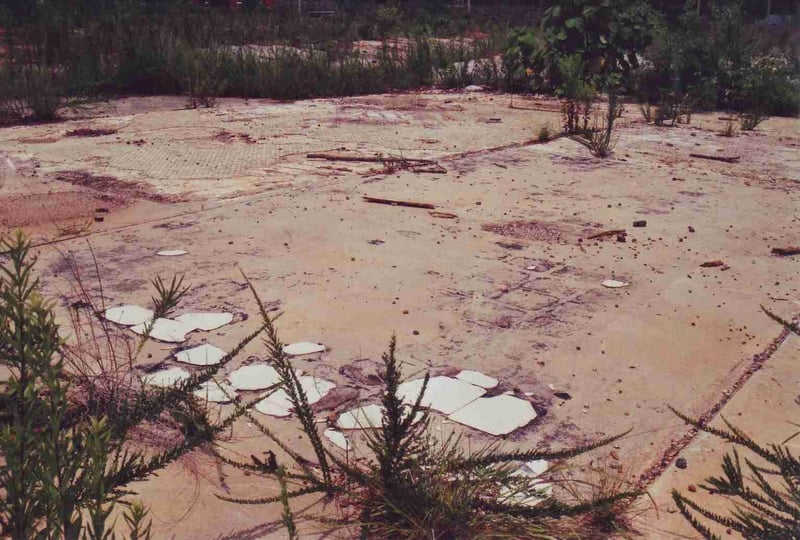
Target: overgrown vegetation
<point>59,54</point>
<point>765,494</point>
<point>65,430</point>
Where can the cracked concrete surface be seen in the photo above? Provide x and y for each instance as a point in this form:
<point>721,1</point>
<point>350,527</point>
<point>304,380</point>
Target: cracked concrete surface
<point>235,189</point>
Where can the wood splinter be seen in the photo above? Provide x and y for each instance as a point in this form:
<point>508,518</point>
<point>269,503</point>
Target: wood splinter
<point>612,232</point>
<point>786,252</point>
<point>392,202</point>
<point>731,159</point>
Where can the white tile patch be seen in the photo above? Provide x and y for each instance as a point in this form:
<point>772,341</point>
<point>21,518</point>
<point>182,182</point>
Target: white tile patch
<point>203,355</point>
<point>254,377</point>
<point>167,377</point>
<point>303,347</point>
<point>279,404</point>
<point>539,490</point>
<point>497,415</point>
<point>206,321</point>
<point>129,315</point>
<point>367,417</point>
<point>215,392</point>
<point>165,330</point>
<point>337,438</point>
<point>477,378</point>
<point>443,394</point>
<point>171,252</point>
<point>614,284</point>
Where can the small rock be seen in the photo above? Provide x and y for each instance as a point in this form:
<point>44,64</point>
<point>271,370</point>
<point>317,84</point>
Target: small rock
<point>615,466</point>
<point>504,321</point>
<point>681,463</point>
<point>99,218</point>
<point>692,488</point>
<point>621,238</point>
<point>691,229</point>
<point>563,395</point>
<point>712,264</point>
<point>415,332</point>
<point>640,223</point>
<point>615,455</point>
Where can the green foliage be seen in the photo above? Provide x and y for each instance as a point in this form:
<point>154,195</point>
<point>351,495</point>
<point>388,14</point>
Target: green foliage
<point>599,139</point>
<point>522,59</point>
<point>607,34</point>
<point>577,94</point>
<point>412,485</point>
<point>66,461</point>
<point>720,62</point>
<point>765,497</point>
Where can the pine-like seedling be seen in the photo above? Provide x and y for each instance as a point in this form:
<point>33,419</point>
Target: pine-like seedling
<point>765,492</point>
<point>66,464</point>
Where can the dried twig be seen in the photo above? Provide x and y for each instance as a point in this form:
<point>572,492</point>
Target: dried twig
<point>731,159</point>
<point>392,202</point>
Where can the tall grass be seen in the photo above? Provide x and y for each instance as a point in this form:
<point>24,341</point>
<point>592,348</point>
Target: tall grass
<point>207,53</point>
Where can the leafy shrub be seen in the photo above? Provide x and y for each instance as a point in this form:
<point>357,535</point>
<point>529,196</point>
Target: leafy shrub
<point>607,35</point>
<point>577,94</point>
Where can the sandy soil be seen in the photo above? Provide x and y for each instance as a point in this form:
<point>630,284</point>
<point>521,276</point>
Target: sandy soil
<point>234,187</point>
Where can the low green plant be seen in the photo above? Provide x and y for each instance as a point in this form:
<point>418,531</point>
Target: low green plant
<point>64,437</point>
<point>600,139</point>
<point>412,485</point>
<point>765,494</point>
<point>750,121</point>
<point>576,93</point>
<point>729,130</point>
<point>544,134</point>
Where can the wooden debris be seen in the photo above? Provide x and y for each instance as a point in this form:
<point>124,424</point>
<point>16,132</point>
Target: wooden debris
<point>731,159</point>
<point>392,202</point>
<point>369,159</point>
<point>786,252</point>
<point>712,264</point>
<point>613,232</point>
<point>443,215</point>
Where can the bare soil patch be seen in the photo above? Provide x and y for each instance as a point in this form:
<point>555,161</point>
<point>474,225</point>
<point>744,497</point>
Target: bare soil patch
<point>90,132</point>
<point>538,231</point>
<point>111,188</point>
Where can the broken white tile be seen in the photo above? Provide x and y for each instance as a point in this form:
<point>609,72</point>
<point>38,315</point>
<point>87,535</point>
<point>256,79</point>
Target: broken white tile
<point>167,377</point>
<point>537,493</point>
<point>337,438</point>
<point>533,468</point>
<point>206,321</point>
<point>367,417</point>
<point>275,405</point>
<point>497,415</point>
<point>477,378</point>
<point>614,284</point>
<point>443,394</point>
<point>370,416</point>
<point>129,315</point>
<point>215,392</point>
<point>303,347</point>
<point>165,330</point>
<point>530,268</point>
<point>315,388</point>
<point>203,355</point>
<point>172,252</point>
<point>278,403</point>
<point>254,377</point>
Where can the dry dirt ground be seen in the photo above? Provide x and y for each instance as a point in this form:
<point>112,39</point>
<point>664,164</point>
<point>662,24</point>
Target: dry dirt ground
<point>234,187</point>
